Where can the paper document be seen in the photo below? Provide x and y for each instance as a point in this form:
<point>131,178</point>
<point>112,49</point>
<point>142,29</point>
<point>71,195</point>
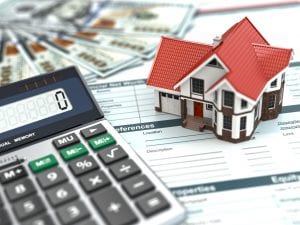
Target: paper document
<point>218,182</point>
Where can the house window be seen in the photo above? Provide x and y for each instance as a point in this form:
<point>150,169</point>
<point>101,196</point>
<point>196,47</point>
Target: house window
<point>216,97</point>
<point>209,107</point>
<point>244,104</point>
<point>170,96</point>
<point>216,116</point>
<point>197,86</point>
<point>163,94</point>
<point>243,122</point>
<point>227,122</point>
<point>274,83</point>
<point>215,63</point>
<point>271,101</point>
<point>228,98</point>
<point>176,97</point>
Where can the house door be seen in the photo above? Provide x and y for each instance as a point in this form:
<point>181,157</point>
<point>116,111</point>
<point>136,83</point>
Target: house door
<point>198,109</point>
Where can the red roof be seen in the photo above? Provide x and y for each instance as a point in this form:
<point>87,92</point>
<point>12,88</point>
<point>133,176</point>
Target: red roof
<point>244,51</point>
<point>175,60</point>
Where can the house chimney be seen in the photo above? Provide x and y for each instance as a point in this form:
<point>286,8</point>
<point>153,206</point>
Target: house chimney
<point>217,40</point>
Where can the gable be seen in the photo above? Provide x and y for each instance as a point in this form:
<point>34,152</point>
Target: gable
<point>174,60</point>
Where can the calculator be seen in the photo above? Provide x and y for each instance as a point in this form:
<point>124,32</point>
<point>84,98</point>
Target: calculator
<point>62,163</point>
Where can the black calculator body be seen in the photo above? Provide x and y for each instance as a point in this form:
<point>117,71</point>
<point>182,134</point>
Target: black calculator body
<point>62,163</point>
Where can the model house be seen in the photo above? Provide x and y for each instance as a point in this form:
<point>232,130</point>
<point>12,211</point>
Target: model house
<point>227,87</point>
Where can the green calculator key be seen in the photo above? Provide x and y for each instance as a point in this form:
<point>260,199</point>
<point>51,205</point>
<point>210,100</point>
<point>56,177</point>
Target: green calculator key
<point>43,163</point>
<point>102,141</point>
<point>73,152</point>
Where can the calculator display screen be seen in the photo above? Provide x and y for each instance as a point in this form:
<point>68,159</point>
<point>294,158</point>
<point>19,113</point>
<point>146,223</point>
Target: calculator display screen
<point>43,106</point>
<point>33,109</point>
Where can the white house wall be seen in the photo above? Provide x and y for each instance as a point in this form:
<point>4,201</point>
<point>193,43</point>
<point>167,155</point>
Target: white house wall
<point>156,98</point>
<point>190,107</point>
<point>207,113</point>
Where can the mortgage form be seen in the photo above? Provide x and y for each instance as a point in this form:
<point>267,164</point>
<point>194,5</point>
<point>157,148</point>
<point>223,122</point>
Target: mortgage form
<point>253,182</point>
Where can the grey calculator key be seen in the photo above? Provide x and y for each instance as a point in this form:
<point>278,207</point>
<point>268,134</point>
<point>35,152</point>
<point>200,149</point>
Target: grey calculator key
<point>93,131</point>
<point>19,189</point>
<point>87,222</point>
<point>28,207</point>
<point>137,185</point>
<point>124,169</point>
<point>72,212</point>
<point>94,181</point>
<point>44,219</point>
<point>113,207</point>
<point>66,141</point>
<point>83,165</point>
<point>152,203</point>
<point>61,194</point>
<point>12,174</point>
<point>52,177</point>
<point>4,217</point>
<point>112,154</point>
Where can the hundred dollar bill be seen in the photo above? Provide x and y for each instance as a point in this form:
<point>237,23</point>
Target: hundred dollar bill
<point>142,46</point>
<point>98,60</point>
<point>46,61</point>
<point>131,17</point>
<point>139,45</point>
<point>13,66</point>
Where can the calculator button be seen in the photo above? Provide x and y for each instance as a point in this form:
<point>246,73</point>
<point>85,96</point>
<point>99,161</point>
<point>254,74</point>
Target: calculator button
<point>93,131</point>
<point>94,181</point>
<point>124,169</point>
<point>28,207</point>
<point>40,220</point>
<point>152,203</point>
<point>137,185</point>
<point>113,207</point>
<point>61,194</point>
<point>51,177</point>
<point>88,222</point>
<point>19,189</point>
<point>65,141</point>
<point>72,212</point>
<point>73,152</point>
<point>12,174</point>
<point>83,165</point>
<point>43,163</point>
<point>4,218</point>
<point>101,142</point>
<point>112,154</point>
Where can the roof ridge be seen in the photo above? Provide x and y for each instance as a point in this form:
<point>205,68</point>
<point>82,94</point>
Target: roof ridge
<point>269,46</point>
<point>186,41</point>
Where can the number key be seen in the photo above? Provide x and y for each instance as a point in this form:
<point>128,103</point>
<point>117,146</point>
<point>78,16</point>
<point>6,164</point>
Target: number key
<point>19,189</point>
<point>72,212</point>
<point>51,177</point>
<point>28,207</point>
<point>44,219</point>
<point>61,194</point>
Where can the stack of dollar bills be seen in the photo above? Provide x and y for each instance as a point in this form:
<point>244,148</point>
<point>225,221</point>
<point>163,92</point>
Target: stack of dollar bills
<point>99,37</point>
